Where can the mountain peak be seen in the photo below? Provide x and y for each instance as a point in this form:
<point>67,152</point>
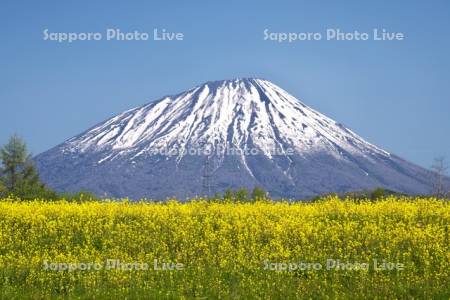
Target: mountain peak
<point>244,83</point>
<point>254,132</point>
<point>225,113</point>
<point>236,80</point>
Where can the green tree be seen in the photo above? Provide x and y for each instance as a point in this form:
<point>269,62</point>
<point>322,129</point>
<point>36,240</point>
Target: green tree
<point>228,195</point>
<point>18,173</point>
<point>13,156</point>
<point>3,190</point>
<point>259,194</point>
<point>378,194</point>
<point>241,195</point>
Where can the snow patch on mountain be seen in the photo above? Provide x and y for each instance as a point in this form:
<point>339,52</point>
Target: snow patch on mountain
<point>219,115</point>
<point>257,134</point>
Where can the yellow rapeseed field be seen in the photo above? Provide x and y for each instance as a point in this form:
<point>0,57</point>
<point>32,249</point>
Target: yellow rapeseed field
<point>392,248</point>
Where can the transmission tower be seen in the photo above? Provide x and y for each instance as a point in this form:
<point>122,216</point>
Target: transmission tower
<point>206,178</point>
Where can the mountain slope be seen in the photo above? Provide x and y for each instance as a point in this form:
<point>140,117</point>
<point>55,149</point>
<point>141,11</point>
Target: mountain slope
<point>253,133</point>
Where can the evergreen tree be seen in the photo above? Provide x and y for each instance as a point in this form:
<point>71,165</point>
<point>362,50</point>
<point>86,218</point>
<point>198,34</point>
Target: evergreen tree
<point>14,158</point>
<point>18,173</point>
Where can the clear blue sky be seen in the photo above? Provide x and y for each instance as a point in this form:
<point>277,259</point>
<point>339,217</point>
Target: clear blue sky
<point>394,94</point>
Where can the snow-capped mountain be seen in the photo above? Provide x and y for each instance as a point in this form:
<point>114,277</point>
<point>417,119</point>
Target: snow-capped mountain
<point>231,133</point>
